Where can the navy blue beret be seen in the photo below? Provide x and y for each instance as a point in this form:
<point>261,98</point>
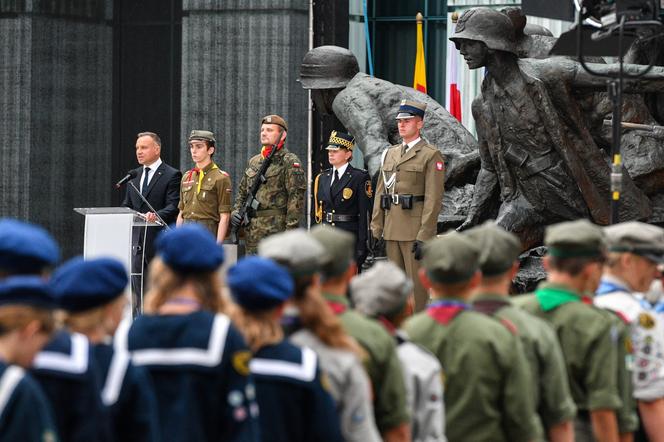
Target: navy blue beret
<point>80,285</point>
<point>25,247</point>
<point>258,283</point>
<point>26,290</point>
<point>190,248</point>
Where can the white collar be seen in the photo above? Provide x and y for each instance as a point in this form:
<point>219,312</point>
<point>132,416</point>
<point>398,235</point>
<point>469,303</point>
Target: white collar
<point>412,143</point>
<point>154,166</point>
<point>342,170</point>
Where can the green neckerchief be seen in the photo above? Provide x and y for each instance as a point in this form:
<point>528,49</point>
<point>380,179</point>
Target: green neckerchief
<point>552,296</point>
<point>337,299</point>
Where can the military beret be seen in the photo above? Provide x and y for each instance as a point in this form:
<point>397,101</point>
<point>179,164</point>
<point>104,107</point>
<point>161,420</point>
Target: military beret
<point>450,258</point>
<point>339,244</point>
<point>382,290</point>
<point>639,238</point>
<point>274,119</point>
<point>410,109</point>
<point>498,248</point>
<point>189,249</point>
<point>26,247</point>
<point>575,239</point>
<point>80,285</point>
<point>296,250</point>
<point>203,135</point>
<point>30,290</point>
<point>340,140</point>
<point>258,283</point>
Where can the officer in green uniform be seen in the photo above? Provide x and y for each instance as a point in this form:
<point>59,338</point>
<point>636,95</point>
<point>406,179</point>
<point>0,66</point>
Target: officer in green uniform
<point>383,365</point>
<point>499,265</point>
<point>281,197</point>
<point>488,386</point>
<point>588,337</point>
<point>205,191</point>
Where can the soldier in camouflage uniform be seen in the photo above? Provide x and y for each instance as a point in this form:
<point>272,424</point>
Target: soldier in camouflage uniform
<point>281,197</point>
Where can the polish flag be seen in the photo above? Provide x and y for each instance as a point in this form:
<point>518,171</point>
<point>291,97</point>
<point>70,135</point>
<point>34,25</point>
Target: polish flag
<point>452,78</point>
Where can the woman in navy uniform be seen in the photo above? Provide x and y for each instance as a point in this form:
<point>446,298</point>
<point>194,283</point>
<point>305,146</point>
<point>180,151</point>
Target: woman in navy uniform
<point>294,404</point>
<point>92,295</point>
<point>26,321</point>
<point>197,360</point>
<point>344,194</point>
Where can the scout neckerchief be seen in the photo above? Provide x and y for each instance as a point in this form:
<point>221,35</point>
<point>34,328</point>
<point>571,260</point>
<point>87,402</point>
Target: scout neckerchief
<point>610,285</point>
<point>444,310</point>
<point>265,150</point>
<point>552,297</point>
<point>337,303</point>
<point>201,174</point>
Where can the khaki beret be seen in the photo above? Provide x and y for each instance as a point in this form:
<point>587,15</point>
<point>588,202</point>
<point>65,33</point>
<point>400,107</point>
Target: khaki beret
<point>575,239</point>
<point>382,290</point>
<point>498,248</point>
<point>450,258</point>
<point>295,250</point>
<point>639,238</point>
<point>339,244</point>
<point>204,135</point>
<point>275,119</point>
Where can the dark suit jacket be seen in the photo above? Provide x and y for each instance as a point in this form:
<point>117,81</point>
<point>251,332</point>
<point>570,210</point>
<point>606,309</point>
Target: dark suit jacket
<point>351,196</point>
<point>163,194</point>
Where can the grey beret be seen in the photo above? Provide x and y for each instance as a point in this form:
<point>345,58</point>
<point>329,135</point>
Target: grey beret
<point>381,290</point>
<point>339,244</point>
<point>295,250</point>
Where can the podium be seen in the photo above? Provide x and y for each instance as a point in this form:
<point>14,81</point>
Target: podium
<point>108,232</point>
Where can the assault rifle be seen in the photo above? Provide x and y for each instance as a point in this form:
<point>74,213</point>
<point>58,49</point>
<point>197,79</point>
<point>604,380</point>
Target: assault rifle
<point>248,209</point>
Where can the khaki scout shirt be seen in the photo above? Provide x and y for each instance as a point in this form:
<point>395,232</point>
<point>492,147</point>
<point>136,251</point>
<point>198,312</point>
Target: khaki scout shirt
<point>213,198</point>
<point>487,382</point>
<point>589,341</point>
<point>553,399</point>
<point>420,172</point>
<point>383,365</point>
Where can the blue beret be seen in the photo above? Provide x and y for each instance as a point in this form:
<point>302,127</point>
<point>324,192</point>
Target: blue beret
<point>258,283</point>
<point>25,247</point>
<point>80,285</point>
<point>189,249</point>
<point>26,290</point>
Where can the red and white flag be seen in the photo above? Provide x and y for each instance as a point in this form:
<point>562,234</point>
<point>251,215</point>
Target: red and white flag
<point>452,78</point>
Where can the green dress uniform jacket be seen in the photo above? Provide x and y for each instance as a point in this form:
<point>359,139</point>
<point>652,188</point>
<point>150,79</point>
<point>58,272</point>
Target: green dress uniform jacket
<point>281,197</point>
<point>553,399</point>
<point>383,365</point>
<point>589,341</point>
<point>214,197</point>
<point>487,381</point>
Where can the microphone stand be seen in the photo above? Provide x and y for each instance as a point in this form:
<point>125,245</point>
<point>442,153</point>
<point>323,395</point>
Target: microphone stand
<point>161,220</point>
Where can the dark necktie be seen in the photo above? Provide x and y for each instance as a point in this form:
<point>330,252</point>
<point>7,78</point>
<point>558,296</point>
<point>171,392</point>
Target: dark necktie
<point>144,185</point>
<point>404,147</point>
<point>335,180</point>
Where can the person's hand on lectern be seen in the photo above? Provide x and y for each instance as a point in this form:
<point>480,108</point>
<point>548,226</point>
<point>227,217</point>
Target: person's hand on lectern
<point>150,217</point>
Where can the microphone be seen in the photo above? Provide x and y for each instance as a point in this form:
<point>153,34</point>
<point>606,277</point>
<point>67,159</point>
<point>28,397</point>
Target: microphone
<point>131,174</point>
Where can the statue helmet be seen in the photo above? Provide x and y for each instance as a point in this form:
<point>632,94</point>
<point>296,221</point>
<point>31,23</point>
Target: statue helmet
<point>487,25</point>
<point>328,67</point>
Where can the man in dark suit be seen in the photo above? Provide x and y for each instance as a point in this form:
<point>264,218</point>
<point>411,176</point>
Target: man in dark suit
<point>159,183</point>
<point>343,193</point>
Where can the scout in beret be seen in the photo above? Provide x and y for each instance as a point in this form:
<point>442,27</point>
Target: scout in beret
<point>384,292</point>
<point>26,323</point>
<point>576,253</point>
<point>635,251</point>
<point>25,248</point>
<point>279,202</point>
<point>294,404</point>
<point>343,193</point>
<point>92,295</point>
<point>187,343</point>
<point>409,195</point>
<point>205,190</point>
<point>499,252</point>
<point>390,407</point>
<point>465,343</point>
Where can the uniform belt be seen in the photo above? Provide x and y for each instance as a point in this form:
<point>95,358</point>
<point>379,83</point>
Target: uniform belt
<point>270,212</point>
<point>334,218</point>
<point>398,199</point>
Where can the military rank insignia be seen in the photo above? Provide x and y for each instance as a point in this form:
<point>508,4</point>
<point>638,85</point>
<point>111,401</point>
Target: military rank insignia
<point>347,193</point>
<point>367,189</point>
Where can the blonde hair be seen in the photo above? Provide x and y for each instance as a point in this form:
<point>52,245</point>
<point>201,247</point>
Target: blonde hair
<point>259,328</point>
<point>165,282</point>
<point>15,317</point>
<point>87,321</point>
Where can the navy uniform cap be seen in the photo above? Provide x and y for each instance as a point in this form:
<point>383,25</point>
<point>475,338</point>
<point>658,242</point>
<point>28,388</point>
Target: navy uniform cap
<point>25,247</point>
<point>258,283</point>
<point>190,249</point>
<point>27,290</point>
<point>80,285</point>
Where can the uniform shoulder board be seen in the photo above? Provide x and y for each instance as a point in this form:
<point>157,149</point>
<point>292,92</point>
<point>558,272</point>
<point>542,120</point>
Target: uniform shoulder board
<point>509,325</point>
<point>223,172</point>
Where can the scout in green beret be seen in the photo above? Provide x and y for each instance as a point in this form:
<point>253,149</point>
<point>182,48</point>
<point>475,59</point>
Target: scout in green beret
<point>499,265</point>
<point>588,337</point>
<point>205,190</point>
<point>487,379</point>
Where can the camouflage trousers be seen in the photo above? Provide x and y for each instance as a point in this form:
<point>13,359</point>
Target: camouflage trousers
<point>260,228</point>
